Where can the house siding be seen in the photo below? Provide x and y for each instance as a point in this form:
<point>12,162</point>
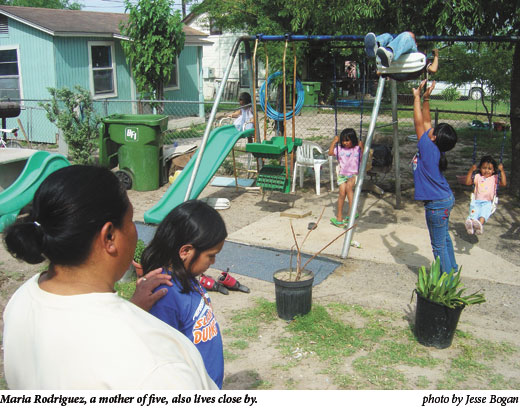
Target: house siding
<point>188,84</point>
<point>36,70</point>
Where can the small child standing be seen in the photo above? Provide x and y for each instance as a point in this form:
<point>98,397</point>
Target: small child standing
<point>185,246</point>
<point>485,181</point>
<point>347,150</point>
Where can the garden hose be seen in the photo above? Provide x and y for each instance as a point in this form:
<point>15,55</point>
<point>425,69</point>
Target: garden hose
<point>270,111</point>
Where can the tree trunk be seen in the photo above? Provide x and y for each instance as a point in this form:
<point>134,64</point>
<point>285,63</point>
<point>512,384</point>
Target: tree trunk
<point>515,123</point>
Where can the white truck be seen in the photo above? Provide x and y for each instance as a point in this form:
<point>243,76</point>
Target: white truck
<point>472,91</point>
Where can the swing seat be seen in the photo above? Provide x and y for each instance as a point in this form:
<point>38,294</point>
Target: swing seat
<point>406,64</point>
<point>274,148</point>
<point>493,205</point>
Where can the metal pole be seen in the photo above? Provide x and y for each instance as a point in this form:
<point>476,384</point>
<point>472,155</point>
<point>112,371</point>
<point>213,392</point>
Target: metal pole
<point>211,118</point>
<point>396,146</point>
<point>361,175</point>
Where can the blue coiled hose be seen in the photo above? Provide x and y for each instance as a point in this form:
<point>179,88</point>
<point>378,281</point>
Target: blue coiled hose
<point>270,111</point>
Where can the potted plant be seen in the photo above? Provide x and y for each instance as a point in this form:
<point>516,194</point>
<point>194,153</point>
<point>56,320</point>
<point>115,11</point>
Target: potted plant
<point>440,301</point>
<point>139,248</point>
<point>293,288</point>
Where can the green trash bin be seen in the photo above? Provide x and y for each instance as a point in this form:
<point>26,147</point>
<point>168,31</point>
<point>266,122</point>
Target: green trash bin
<point>312,92</point>
<point>135,142</point>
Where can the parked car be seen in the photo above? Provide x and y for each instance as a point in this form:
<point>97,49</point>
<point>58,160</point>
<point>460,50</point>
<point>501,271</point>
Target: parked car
<point>472,91</point>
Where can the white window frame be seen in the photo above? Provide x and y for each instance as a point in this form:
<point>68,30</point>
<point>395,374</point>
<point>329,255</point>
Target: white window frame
<point>175,87</point>
<point>20,82</point>
<point>92,69</point>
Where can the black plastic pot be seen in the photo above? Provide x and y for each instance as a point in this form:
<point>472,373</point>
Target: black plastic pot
<point>435,324</point>
<point>293,298</point>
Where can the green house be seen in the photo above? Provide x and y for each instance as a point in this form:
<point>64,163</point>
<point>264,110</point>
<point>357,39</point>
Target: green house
<point>41,48</point>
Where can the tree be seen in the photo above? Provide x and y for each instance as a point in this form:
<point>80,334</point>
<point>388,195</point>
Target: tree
<point>72,112</point>
<point>460,67</point>
<point>156,39</point>
<point>49,4</point>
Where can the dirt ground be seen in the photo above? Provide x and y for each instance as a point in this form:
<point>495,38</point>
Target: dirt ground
<point>366,283</point>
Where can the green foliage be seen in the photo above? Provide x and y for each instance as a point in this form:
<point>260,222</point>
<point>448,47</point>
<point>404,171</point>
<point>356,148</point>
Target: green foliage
<point>450,94</point>
<point>139,248</point>
<point>73,113</point>
<point>156,39</point>
<point>125,289</point>
<point>444,288</point>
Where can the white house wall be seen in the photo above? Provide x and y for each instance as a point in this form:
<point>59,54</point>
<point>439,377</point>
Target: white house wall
<point>215,58</point>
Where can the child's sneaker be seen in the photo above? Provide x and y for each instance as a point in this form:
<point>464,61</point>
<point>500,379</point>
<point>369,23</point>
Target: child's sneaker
<point>370,45</point>
<point>469,226</point>
<point>385,55</point>
<point>477,227</point>
<point>335,222</point>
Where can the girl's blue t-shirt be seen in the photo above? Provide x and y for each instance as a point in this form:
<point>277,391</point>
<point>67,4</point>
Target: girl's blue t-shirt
<point>191,315</point>
<point>430,182</point>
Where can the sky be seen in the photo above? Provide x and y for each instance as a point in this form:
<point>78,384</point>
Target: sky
<point>109,6</point>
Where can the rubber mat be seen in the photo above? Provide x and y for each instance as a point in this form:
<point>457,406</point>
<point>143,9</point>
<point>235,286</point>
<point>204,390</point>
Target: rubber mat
<point>256,262</point>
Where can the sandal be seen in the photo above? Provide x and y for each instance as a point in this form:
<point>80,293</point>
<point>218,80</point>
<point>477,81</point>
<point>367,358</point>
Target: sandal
<point>231,283</point>
<point>210,284</point>
<point>335,222</point>
<point>345,221</point>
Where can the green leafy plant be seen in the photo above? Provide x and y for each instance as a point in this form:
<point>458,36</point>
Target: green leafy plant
<point>444,288</point>
<point>72,112</point>
<point>139,248</point>
<point>450,94</point>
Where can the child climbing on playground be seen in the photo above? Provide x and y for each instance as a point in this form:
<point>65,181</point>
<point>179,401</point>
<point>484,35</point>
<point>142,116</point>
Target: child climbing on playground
<point>244,116</point>
<point>185,246</point>
<point>347,149</point>
<point>389,48</point>
<point>485,181</point>
<point>431,185</point>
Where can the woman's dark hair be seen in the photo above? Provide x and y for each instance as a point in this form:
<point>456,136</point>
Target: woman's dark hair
<point>191,223</point>
<point>488,159</point>
<point>445,139</point>
<point>245,97</point>
<point>348,134</point>
<point>69,208</point>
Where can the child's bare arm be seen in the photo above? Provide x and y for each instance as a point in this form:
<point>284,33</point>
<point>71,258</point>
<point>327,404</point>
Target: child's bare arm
<point>427,120</point>
<point>503,180</point>
<point>417,111</point>
<point>469,175</point>
<point>434,66</point>
<point>333,144</point>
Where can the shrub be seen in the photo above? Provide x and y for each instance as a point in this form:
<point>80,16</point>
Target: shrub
<point>450,94</point>
<point>73,113</point>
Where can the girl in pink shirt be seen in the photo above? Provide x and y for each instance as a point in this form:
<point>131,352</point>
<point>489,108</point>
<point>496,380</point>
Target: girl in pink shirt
<point>347,149</point>
<point>485,182</point>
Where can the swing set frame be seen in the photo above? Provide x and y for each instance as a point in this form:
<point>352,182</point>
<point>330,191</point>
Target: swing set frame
<point>326,38</point>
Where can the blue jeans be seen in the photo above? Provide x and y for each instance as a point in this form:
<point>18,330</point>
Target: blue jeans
<point>437,219</point>
<point>401,44</point>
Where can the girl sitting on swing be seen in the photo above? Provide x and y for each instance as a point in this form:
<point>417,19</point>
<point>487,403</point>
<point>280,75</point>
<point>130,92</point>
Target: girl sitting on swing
<point>485,181</point>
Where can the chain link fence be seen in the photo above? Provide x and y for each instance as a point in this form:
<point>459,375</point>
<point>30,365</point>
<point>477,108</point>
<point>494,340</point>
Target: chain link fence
<point>318,122</point>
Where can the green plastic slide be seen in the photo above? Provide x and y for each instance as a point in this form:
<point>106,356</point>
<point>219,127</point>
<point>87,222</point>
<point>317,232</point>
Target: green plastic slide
<point>21,192</point>
<point>220,142</point>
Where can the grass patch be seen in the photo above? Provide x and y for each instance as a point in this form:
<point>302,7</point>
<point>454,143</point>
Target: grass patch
<point>126,290</point>
<point>359,348</point>
<point>244,324</point>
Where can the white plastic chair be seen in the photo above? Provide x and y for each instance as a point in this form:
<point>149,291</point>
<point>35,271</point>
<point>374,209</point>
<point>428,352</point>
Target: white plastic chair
<point>305,159</point>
